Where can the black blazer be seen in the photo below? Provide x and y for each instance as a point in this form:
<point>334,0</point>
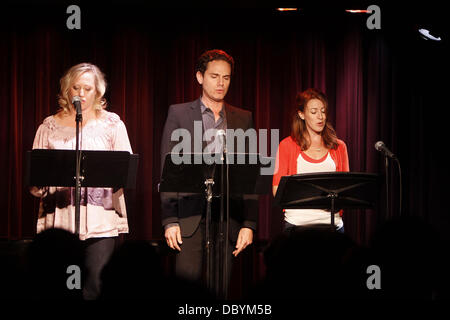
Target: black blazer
<point>187,209</point>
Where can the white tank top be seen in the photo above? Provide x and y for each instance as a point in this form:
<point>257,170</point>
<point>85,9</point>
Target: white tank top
<point>299,217</point>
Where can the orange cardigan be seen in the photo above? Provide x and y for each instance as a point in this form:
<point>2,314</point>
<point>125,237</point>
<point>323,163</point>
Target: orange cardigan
<point>288,152</point>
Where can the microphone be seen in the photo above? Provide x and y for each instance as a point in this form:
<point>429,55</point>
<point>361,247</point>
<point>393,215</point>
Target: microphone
<point>221,133</point>
<point>380,146</point>
<point>77,103</point>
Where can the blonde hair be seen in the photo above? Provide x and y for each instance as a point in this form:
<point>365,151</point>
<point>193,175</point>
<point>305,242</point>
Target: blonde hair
<point>69,77</point>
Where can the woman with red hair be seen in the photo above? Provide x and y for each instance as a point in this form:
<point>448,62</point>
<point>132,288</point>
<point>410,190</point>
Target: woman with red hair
<point>312,147</point>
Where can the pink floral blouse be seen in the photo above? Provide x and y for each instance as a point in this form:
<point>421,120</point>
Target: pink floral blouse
<point>102,210</point>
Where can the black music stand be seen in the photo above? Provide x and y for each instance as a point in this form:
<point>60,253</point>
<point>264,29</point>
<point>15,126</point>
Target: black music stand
<point>107,169</point>
<point>200,173</point>
<point>190,175</point>
<point>329,190</point>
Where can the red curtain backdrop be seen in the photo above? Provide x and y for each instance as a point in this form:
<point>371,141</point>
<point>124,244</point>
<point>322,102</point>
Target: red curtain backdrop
<point>382,85</point>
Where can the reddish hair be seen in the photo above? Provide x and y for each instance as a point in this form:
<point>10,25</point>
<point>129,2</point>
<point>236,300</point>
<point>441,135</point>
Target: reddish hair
<point>299,132</point>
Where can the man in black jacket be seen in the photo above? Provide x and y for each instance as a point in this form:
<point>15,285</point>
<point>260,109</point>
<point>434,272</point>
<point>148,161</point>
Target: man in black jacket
<point>183,215</point>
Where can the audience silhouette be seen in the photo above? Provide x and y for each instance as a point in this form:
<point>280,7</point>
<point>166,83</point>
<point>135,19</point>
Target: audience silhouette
<point>135,272</point>
<point>409,253</point>
<point>312,262</point>
<point>309,262</point>
<point>48,258</point>
<point>318,262</point>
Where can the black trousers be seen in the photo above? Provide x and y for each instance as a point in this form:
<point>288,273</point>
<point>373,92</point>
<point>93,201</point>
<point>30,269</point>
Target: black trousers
<point>191,261</point>
<point>98,251</point>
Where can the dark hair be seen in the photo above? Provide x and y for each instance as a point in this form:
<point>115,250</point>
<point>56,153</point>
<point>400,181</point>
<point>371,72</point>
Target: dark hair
<point>212,55</point>
<point>299,132</point>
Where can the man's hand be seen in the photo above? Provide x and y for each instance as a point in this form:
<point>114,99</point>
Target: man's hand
<point>173,237</point>
<point>244,239</point>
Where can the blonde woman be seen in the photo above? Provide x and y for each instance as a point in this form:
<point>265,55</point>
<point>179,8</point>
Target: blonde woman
<point>102,212</point>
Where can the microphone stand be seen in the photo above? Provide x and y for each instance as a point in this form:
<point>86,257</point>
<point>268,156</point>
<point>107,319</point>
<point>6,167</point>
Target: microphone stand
<point>394,158</point>
<point>225,278</point>
<point>209,197</point>
<point>78,177</point>
<point>380,146</point>
<point>222,244</point>
<point>400,184</point>
<point>386,165</point>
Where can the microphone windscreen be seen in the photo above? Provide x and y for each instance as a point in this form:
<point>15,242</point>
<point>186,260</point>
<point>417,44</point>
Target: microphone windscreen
<point>379,145</point>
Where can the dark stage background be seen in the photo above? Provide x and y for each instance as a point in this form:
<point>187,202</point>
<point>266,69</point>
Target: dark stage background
<point>386,84</point>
